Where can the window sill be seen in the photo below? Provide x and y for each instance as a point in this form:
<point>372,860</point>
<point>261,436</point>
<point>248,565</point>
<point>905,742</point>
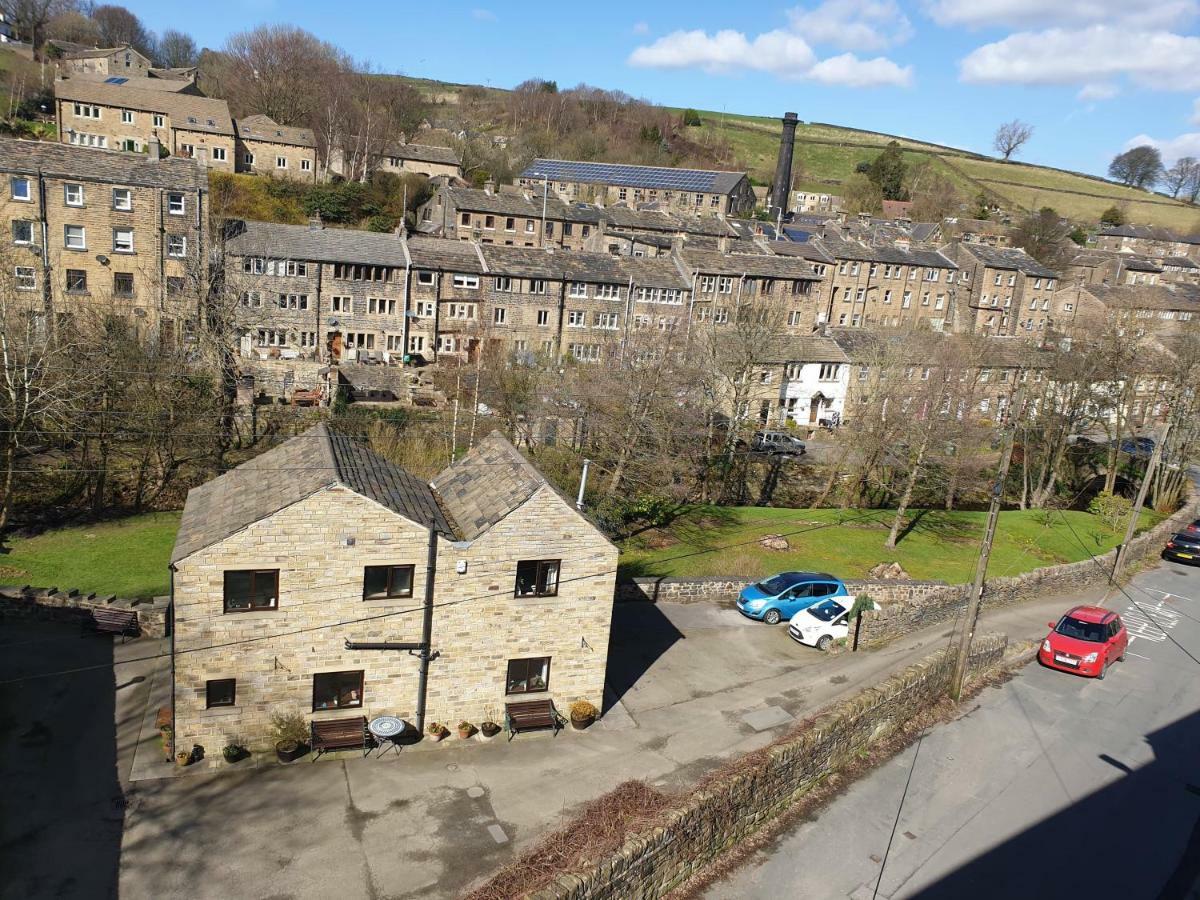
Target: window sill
<point>252,615</point>
<point>398,598</point>
<point>76,249</point>
<point>76,293</point>
<point>220,712</point>
<point>124,252</point>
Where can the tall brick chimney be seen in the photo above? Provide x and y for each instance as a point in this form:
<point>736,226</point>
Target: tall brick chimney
<point>782,186</point>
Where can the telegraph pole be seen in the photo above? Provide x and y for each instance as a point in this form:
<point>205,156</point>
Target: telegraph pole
<point>985,553</point>
<point>1155,459</point>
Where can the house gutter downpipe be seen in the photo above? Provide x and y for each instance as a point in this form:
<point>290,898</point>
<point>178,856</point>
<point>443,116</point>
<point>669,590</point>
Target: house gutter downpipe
<point>426,630</point>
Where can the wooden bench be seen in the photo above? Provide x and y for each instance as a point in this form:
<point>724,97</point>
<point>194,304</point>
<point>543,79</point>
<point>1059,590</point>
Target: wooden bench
<point>112,621</point>
<point>340,734</point>
<point>531,714</point>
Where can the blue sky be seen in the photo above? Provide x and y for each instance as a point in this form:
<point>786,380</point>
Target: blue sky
<point>1092,76</point>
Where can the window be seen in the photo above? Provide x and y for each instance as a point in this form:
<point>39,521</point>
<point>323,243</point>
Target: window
<point>122,240</point>
<point>73,194</point>
<point>22,231</point>
<point>74,237</point>
<point>122,199</point>
<point>176,245</point>
<point>425,278</point>
<point>220,692</point>
<point>906,300</point>
<point>76,281</point>
<point>387,581</point>
<point>416,343</point>
<point>426,308</point>
<point>829,372</point>
<point>87,111</point>
<point>503,284</point>
<point>26,278</point>
<point>462,310</point>
<point>160,121</point>
<point>887,296</point>
<point>577,289</point>
<point>529,226</point>
<point>127,117</point>
<point>122,284</point>
<point>380,306</point>
<point>567,228</point>
<point>175,204</point>
<point>306,165</point>
<point>466,218</point>
<point>605,320</point>
<point>584,352</point>
<point>499,315</point>
<point>340,304</point>
<point>537,286</point>
<point>543,317</point>
<point>537,578</point>
<point>281,162</point>
<point>19,187</point>
<point>337,690</point>
<point>608,291</point>
<point>471,282</point>
<point>293,301</point>
<point>251,589</point>
<point>577,318</point>
<point>82,139</point>
<point>528,676</point>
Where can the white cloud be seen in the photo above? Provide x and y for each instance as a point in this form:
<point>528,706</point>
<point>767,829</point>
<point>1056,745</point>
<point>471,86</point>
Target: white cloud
<point>1195,117</point>
<point>1098,91</point>
<point>483,15</point>
<point>641,28</point>
<point>848,70</point>
<point>853,24</point>
<point>777,52</point>
<point>1155,59</point>
<point>1171,148</point>
<point>1148,14</point>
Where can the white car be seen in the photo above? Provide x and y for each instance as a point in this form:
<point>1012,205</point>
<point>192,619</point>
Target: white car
<point>821,624</point>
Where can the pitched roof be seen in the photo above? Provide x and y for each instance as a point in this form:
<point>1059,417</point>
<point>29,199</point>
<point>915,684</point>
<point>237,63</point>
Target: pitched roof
<point>655,177</point>
<point>85,163</point>
<point>187,111</point>
<point>528,262</point>
<point>1146,296</point>
<point>96,52</point>
<point>171,85</point>
<point>839,248</point>
<point>1008,258</point>
<point>423,153</point>
<point>756,264</point>
<point>810,250</point>
<point>263,128</point>
<point>291,471</point>
<point>487,484</point>
<point>812,348</point>
<point>1179,262</point>
<point>276,241</point>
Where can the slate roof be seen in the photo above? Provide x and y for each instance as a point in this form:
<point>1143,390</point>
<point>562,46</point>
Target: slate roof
<point>810,250</point>
<point>187,111</point>
<point>487,484</point>
<point>1146,232</point>
<point>840,249</point>
<point>320,244</point>
<point>264,128</point>
<point>1179,262</point>
<point>655,177</point>
<point>424,153</point>
<point>445,255</point>
<point>291,471</point>
<point>94,52</point>
<point>141,82</point>
<point>87,164</point>
<point>1009,258</point>
<point>760,264</point>
<point>811,348</point>
<point>604,268</point>
<point>1146,296</point>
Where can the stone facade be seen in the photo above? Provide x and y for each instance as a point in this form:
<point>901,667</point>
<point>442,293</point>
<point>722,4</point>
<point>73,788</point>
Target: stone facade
<point>478,624</point>
<point>259,157</point>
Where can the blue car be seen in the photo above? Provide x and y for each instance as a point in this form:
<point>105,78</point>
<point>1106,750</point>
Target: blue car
<point>778,598</point>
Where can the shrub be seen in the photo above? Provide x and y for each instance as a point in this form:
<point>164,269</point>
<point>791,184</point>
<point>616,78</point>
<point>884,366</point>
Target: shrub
<point>692,119</point>
<point>582,709</point>
<point>289,727</point>
<point>1112,509</point>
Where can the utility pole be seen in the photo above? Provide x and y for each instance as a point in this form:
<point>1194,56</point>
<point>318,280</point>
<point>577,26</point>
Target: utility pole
<point>1136,514</point>
<point>985,553</point>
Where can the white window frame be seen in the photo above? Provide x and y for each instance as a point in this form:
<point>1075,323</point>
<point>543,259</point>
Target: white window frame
<point>122,240</point>
<point>73,188</point>
<point>26,197</point>
<point>176,209</point>
<point>82,245</point>
<point>176,240</point>
<point>466,282</point>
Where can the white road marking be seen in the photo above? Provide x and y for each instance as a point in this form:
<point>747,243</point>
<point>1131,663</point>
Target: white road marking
<point>1150,621</point>
<point>1138,655</point>
<point>1167,594</point>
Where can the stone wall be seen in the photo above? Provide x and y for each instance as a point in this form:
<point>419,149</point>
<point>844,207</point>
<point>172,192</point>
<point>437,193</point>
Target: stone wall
<point>40,604</point>
<point>720,587</point>
<point>748,796</point>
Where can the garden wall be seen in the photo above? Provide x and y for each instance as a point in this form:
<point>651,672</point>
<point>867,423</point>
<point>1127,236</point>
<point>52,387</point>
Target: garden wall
<point>719,587</point>
<point>26,603</point>
<point>747,794</point>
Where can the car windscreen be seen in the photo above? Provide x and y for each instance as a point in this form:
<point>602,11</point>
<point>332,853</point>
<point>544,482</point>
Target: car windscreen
<point>1191,540</point>
<point>1080,630</point>
<point>827,611</point>
<point>776,585</point>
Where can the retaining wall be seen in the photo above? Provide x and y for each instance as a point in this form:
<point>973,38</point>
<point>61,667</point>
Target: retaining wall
<point>41,604</point>
<point>719,587</point>
<point>725,811</point>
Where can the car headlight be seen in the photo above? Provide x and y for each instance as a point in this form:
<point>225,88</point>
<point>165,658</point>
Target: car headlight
<point>755,604</point>
<point>1091,657</point>
<point>1046,646</point>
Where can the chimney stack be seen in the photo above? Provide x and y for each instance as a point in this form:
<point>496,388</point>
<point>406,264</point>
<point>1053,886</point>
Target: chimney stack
<point>781,188</point>
<point>489,187</point>
<point>153,149</point>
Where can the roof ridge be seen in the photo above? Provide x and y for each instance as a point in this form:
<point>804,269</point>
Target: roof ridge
<point>326,437</point>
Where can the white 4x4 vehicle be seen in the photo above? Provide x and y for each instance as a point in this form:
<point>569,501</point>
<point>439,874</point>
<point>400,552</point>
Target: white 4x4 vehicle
<point>821,624</point>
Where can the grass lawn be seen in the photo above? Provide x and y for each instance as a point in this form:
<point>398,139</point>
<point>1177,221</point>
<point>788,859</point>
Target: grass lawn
<point>940,545</point>
<point>127,557</point>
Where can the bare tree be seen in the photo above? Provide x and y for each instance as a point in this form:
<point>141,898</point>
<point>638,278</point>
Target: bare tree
<point>281,71</point>
<point>30,17</point>
<point>177,50</point>
<point>1182,176</point>
<point>1011,137</point>
<point>118,26</point>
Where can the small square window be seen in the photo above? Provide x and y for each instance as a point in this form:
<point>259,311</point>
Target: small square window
<point>76,281</point>
<point>537,578</point>
<point>122,199</point>
<point>122,240</point>
<point>19,188</point>
<point>424,278</point>
<point>73,194</point>
<point>74,237</point>
<point>160,121</point>
<point>251,589</point>
<point>387,581</point>
<point>220,692</point>
<point>528,676</point>
<point>306,165</point>
<point>218,153</point>
<point>176,245</point>
<point>122,284</point>
<point>22,231</point>
<point>176,205</point>
<point>337,690</point>
<point>26,278</point>
<point>127,117</point>
<point>281,162</point>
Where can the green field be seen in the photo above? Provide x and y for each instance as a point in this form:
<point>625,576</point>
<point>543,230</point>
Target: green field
<point>941,545</point>
<point>127,557</point>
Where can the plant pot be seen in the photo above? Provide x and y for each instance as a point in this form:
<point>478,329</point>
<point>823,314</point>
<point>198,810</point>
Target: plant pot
<point>232,756</point>
<point>182,758</point>
<point>465,733</point>
<point>582,722</point>
<point>439,736</point>
<point>489,729</point>
<point>289,751</point>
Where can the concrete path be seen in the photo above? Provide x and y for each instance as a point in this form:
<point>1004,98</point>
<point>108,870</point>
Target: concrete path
<point>1051,785</point>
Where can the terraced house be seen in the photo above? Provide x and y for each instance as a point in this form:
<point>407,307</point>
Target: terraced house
<point>264,147</point>
<point>1005,291</point>
<point>100,233</point>
<point>431,601</point>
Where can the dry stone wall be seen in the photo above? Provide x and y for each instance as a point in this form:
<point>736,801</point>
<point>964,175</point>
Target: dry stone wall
<point>39,604</point>
<point>719,587</point>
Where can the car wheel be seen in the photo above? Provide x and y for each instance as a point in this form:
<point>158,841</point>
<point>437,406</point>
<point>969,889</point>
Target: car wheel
<point>823,642</point>
<point>772,617</point>
<point>1103,671</point>
<point>1121,658</point>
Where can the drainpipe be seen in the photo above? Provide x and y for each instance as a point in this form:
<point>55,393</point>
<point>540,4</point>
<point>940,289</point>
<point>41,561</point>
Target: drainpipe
<point>426,630</point>
<point>170,622</point>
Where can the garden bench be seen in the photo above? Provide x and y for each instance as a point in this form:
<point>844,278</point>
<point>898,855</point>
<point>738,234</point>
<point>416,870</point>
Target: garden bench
<point>531,714</point>
<point>340,734</point>
<point>112,621</point>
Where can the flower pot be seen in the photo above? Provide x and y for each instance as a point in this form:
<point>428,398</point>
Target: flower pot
<point>183,758</point>
<point>464,733</point>
<point>489,729</point>
<point>439,736</point>
<point>289,751</point>
<point>233,755</point>
<point>579,723</point>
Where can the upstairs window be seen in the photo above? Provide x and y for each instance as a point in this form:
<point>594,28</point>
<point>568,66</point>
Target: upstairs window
<point>176,205</point>
<point>380,582</point>
<point>537,578</point>
<point>220,692</point>
<point>122,199</point>
<point>73,194</point>
<point>251,589</point>
<point>19,188</point>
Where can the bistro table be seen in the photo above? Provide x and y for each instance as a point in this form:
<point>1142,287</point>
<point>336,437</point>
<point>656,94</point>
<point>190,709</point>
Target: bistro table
<point>387,730</point>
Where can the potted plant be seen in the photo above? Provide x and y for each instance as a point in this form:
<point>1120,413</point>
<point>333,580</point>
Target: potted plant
<point>583,714</point>
<point>291,735</point>
<point>489,729</point>
<point>183,758</point>
<point>465,729</point>
<point>234,751</point>
<point>166,737</point>
<point>437,731</point>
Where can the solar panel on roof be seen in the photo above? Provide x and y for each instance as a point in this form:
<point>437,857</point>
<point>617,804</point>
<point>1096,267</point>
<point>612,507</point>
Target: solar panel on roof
<point>115,80</point>
<point>652,177</point>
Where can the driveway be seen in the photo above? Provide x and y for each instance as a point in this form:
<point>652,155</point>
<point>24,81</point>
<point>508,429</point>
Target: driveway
<point>690,685</point>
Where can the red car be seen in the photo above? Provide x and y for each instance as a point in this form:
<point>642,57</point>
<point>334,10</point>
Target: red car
<point>1086,641</point>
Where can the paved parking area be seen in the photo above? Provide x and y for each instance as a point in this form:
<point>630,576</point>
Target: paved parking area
<point>693,684</point>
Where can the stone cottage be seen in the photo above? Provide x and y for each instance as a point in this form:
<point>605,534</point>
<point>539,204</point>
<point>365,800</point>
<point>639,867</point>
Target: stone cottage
<point>319,545</point>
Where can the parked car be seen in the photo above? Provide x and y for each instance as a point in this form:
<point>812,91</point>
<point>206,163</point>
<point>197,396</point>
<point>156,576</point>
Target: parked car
<point>1194,528</point>
<point>1086,640</point>
<point>1183,547</point>
<point>777,442</point>
<point>782,596</point>
<point>822,623</point>
<point>1141,447</point>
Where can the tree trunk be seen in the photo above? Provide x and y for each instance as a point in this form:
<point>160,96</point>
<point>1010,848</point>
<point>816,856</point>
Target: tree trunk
<point>906,497</point>
<point>10,457</point>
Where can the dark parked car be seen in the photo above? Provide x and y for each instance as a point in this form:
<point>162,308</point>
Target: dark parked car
<point>1141,447</point>
<point>1183,547</point>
